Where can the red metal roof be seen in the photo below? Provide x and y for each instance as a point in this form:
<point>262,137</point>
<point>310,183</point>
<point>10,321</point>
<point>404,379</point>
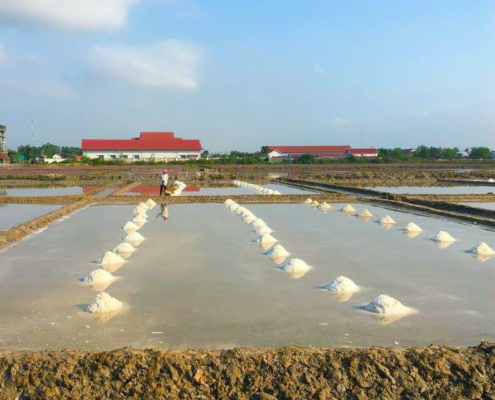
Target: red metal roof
<point>308,149</point>
<point>4,156</point>
<point>146,141</point>
<point>367,150</point>
<point>333,154</point>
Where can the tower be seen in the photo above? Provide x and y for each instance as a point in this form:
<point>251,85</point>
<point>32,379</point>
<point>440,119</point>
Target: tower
<point>4,156</point>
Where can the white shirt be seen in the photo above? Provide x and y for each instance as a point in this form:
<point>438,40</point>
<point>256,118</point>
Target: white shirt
<point>165,179</point>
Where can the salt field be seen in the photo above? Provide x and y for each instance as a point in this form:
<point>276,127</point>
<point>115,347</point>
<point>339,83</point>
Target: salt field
<point>435,189</point>
<point>216,191</point>
<point>486,206</point>
<point>41,191</point>
<point>14,214</point>
<point>199,280</point>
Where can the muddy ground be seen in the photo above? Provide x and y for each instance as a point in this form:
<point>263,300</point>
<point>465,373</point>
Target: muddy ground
<point>434,372</point>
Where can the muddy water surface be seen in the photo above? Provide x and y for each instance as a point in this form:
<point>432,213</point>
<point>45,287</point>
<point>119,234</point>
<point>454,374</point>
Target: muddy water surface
<point>36,192</point>
<point>199,281</point>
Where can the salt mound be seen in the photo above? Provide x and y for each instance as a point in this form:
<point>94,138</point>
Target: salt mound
<point>348,208</point>
<point>228,202</point>
<point>267,238</point>
<point>443,237</point>
<point>104,303</point>
<point>314,204</point>
<point>233,207</point>
<point>139,219</point>
<point>134,238</point>
<point>124,248</point>
<point>240,210</point>
<point>276,252</point>
<point>386,305</point>
<point>249,218</point>
<point>110,258</point>
<point>98,276</point>
<point>295,265</point>
<point>412,227</point>
<point>364,213</point>
<point>342,284</point>
<point>308,201</point>
<point>483,250</point>
<point>143,206</point>
<point>324,206</point>
<point>139,210</point>
<point>150,203</point>
<point>386,220</point>
<point>258,223</point>
<point>263,230</point>
<point>130,227</point>
<point>277,193</point>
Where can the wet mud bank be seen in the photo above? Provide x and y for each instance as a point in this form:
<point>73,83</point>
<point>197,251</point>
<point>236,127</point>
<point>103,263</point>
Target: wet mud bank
<point>14,235</point>
<point>434,372</point>
<point>247,198</point>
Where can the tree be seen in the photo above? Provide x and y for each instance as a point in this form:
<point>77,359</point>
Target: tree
<point>264,150</point>
<point>28,152</point>
<point>14,155</point>
<point>205,154</point>
<point>479,153</point>
<point>307,158</point>
<point>71,151</point>
<point>49,150</point>
<point>397,154</point>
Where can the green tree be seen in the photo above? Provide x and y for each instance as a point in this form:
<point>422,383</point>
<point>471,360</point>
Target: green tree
<point>307,159</point>
<point>71,151</point>
<point>49,150</point>
<point>14,155</point>
<point>479,153</point>
<point>264,150</point>
<point>205,154</point>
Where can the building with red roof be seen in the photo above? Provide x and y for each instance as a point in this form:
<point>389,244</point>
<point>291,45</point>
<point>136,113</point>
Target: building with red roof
<point>362,152</point>
<point>148,146</point>
<point>278,153</point>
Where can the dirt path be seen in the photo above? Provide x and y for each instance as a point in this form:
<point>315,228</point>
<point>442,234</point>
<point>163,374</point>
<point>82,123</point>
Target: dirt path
<point>434,372</point>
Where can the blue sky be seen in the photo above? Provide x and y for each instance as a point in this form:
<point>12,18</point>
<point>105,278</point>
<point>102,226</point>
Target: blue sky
<point>242,74</point>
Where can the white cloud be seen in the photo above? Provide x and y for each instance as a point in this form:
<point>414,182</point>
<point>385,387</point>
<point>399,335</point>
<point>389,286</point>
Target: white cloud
<point>165,63</point>
<point>340,121</point>
<point>67,14</point>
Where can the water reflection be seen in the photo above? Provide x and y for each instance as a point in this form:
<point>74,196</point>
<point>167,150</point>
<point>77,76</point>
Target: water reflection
<point>442,245</point>
<point>410,234</point>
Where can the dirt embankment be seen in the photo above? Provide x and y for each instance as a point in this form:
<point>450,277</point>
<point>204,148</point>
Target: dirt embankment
<point>434,372</point>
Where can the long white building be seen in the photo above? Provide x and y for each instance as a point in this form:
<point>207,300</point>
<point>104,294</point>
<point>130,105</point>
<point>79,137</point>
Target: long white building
<point>148,146</point>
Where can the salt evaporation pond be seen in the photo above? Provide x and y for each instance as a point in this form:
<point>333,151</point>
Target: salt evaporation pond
<point>435,189</point>
<point>41,191</point>
<point>486,206</point>
<point>199,281</point>
<point>216,191</point>
<point>15,214</point>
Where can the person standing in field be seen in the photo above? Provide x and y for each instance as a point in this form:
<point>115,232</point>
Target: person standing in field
<point>163,181</point>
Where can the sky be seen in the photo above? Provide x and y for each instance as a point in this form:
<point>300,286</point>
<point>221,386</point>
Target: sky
<point>243,74</point>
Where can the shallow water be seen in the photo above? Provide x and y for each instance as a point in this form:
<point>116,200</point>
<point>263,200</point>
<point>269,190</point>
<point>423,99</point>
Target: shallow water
<point>199,281</point>
<point>435,189</point>
<point>36,192</point>
<point>216,191</point>
<point>15,214</point>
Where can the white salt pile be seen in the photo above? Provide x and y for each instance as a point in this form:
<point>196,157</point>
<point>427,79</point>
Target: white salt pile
<point>258,223</point>
<point>131,227</point>
<point>308,201</point>
<point>277,252</point>
<point>263,230</point>
<point>98,276</point>
<point>315,204</point>
<point>233,207</point>
<point>295,265</point>
<point>364,213</point>
<point>386,305</point>
<point>483,249</point>
<point>412,227</point>
<point>139,219</point>
<point>124,248</point>
<point>134,238</point>
<point>348,208</point>
<point>277,193</point>
<point>324,206</point>
<point>240,210</point>
<point>110,258</point>
<point>248,219</point>
<point>104,303</point>
<point>228,202</point>
<point>386,220</point>
<point>265,239</point>
<point>343,285</point>
<point>443,237</point>
<point>150,203</point>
